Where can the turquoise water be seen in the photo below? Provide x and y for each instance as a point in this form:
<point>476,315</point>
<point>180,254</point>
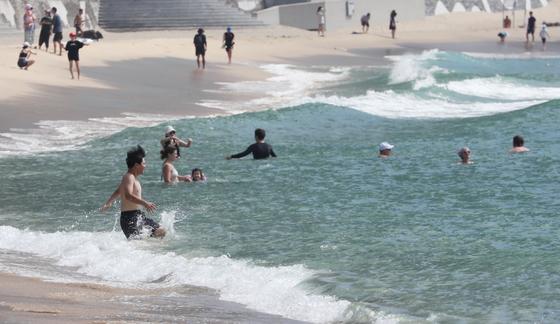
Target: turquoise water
<point>328,231</point>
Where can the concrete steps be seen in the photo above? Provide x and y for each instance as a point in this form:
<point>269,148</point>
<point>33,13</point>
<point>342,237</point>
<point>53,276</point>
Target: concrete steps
<point>125,15</point>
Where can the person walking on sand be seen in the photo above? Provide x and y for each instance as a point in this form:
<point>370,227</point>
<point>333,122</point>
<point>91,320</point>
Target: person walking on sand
<point>199,42</point>
<point>73,48</point>
<point>79,21</point>
<point>57,30</point>
<point>544,35</point>
<point>260,149</point>
<point>393,23</point>
<point>322,21</point>
<point>133,221</point>
<point>46,28</point>
<point>228,43</point>
<point>29,20</point>
<point>365,22</point>
<point>23,60</point>
<point>531,22</point>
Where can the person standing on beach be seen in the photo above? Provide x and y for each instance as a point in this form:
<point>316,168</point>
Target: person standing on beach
<point>133,221</point>
<point>228,43</point>
<point>260,149</point>
<point>200,47</point>
<point>544,35</point>
<point>57,30</point>
<point>79,22</point>
<point>393,23</point>
<point>365,22</point>
<point>322,21</point>
<point>531,22</point>
<point>46,28</point>
<point>73,48</point>
<point>29,25</point>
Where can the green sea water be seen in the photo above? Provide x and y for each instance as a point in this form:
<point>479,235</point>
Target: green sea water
<point>328,231</point>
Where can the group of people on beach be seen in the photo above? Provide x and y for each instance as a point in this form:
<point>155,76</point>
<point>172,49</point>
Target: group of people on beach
<point>200,46</point>
<point>530,31</point>
<point>51,23</point>
<point>133,221</point>
<point>364,21</point>
<point>464,153</point>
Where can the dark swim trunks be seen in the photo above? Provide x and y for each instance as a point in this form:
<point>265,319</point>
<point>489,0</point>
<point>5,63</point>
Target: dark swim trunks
<point>22,62</point>
<point>134,221</point>
<point>57,37</point>
<point>200,51</point>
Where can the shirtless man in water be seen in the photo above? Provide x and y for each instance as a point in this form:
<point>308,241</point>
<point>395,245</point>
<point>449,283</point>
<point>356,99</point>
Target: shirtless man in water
<point>133,221</point>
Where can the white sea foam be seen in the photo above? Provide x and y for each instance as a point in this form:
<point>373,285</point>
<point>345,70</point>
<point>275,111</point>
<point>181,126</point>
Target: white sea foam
<point>411,67</point>
<point>528,55</point>
<point>286,85</point>
<point>113,259</point>
<point>63,135</point>
<point>502,89</point>
<point>392,105</point>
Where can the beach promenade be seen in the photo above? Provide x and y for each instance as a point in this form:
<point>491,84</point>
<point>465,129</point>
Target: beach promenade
<point>155,72</point>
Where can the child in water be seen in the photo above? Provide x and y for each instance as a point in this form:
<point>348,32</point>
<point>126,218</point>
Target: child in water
<point>197,175</point>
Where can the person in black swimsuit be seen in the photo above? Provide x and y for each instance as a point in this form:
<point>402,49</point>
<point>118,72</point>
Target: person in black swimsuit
<point>23,60</point>
<point>260,149</point>
<point>228,43</point>
<point>73,47</point>
<point>199,42</point>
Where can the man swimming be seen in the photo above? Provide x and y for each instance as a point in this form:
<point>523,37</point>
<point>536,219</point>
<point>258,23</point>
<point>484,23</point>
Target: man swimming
<point>133,222</point>
<point>518,145</point>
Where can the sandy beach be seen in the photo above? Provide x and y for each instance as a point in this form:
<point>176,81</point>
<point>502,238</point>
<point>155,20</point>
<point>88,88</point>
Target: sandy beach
<point>155,72</point>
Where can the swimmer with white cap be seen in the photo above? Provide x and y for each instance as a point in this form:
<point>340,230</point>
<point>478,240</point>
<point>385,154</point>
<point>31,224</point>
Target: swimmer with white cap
<point>385,149</point>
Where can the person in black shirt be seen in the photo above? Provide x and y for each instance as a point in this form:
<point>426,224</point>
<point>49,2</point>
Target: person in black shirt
<point>199,42</point>
<point>73,47</point>
<point>228,43</point>
<point>46,27</point>
<point>531,27</point>
<point>260,149</point>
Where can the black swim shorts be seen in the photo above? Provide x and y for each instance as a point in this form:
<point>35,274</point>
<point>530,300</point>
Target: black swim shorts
<point>133,221</point>
<point>57,37</point>
<point>22,63</point>
<point>200,51</point>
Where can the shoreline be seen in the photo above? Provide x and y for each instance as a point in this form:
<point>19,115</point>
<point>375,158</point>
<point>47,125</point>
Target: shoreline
<point>156,72</point>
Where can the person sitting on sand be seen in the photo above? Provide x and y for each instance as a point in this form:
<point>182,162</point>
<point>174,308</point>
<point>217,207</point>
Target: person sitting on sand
<point>502,35</point>
<point>385,149</point>
<point>133,221</point>
<point>465,154</point>
<point>168,172</point>
<point>518,145</point>
<point>171,139</point>
<point>23,60</point>
<point>260,149</point>
<point>365,22</point>
<point>197,175</point>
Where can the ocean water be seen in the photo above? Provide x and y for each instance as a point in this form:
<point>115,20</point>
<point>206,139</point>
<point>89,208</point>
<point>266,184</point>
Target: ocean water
<point>327,232</point>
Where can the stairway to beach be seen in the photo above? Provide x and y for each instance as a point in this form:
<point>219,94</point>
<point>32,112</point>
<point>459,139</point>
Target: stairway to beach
<point>127,15</point>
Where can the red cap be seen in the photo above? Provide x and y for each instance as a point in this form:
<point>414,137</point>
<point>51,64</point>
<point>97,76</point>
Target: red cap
<point>72,34</point>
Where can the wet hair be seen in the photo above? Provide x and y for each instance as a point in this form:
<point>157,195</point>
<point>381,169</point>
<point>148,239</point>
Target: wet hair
<point>200,31</point>
<point>260,134</point>
<point>134,156</point>
<point>518,141</point>
<point>196,170</point>
<point>167,149</point>
<point>462,151</point>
